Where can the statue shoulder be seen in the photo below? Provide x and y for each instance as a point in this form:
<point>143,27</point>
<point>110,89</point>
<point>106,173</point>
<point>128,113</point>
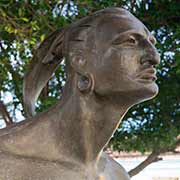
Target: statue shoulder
<point>15,127</point>
<point>110,169</point>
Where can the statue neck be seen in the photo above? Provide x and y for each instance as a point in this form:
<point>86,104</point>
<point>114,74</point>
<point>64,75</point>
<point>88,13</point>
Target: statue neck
<point>89,124</point>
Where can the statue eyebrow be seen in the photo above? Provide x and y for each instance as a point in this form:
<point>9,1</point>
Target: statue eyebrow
<point>85,25</point>
<point>121,36</point>
<point>78,40</point>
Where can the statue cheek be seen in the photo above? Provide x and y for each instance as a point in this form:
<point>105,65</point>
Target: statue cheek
<point>113,58</point>
<point>130,62</point>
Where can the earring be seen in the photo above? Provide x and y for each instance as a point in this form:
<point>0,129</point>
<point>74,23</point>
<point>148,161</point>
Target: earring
<point>84,83</point>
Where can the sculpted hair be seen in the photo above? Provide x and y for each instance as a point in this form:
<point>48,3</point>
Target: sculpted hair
<point>57,46</point>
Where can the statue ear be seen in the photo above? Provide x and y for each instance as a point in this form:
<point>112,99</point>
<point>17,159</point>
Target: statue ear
<point>78,62</point>
<point>85,81</point>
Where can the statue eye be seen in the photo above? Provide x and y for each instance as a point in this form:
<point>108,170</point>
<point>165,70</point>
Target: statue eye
<point>127,41</point>
<point>131,40</point>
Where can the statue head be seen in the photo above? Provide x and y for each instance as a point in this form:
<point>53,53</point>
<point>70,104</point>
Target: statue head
<point>109,53</point>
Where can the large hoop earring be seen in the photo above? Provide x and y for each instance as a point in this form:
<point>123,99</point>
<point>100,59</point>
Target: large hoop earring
<point>85,83</point>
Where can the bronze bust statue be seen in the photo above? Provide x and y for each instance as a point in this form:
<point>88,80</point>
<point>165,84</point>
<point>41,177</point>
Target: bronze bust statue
<point>110,58</point>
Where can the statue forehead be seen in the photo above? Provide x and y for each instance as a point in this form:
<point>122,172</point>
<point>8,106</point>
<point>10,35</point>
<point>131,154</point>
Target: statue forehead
<point>113,25</point>
<point>98,30</point>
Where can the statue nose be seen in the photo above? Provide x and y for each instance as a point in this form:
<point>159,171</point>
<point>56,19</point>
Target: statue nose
<point>151,55</point>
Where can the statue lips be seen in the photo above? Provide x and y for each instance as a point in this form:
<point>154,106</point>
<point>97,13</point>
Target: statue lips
<point>147,76</point>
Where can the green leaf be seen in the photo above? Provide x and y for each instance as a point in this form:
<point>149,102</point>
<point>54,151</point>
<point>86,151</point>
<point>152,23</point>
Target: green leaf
<point>24,19</point>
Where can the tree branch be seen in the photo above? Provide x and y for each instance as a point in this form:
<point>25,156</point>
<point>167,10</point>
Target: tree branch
<point>3,111</point>
<point>16,78</point>
<point>153,157</point>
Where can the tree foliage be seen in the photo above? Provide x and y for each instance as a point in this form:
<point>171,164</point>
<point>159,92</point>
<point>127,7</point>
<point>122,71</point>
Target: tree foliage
<point>24,24</point>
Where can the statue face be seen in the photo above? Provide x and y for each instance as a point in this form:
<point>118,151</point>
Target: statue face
<point>125,59</point>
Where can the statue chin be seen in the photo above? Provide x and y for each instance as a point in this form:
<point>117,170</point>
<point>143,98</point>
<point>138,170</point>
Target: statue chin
<point>150,91</point>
